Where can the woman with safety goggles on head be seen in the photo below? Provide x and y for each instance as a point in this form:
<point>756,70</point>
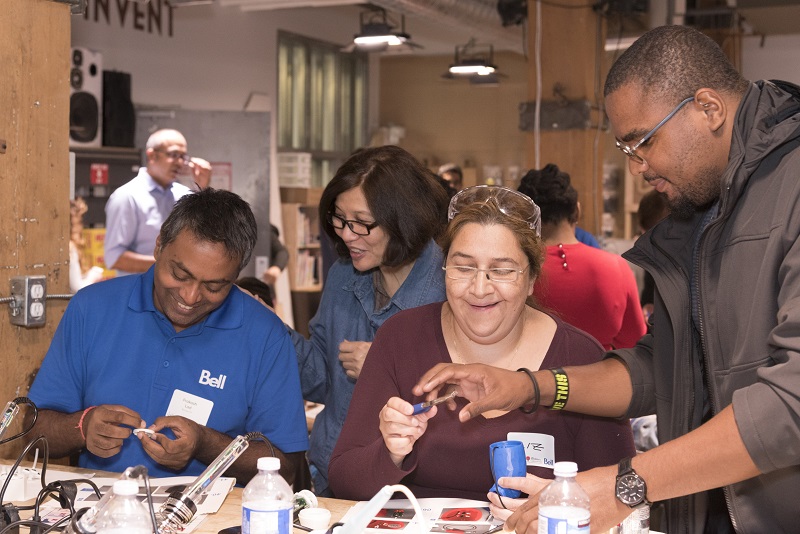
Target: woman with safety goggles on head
<point>494,254</point>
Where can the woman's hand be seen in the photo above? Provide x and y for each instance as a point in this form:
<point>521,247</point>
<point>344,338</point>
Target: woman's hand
<point>400,429</point>
<point>352,355</point>
<point>520,515</point>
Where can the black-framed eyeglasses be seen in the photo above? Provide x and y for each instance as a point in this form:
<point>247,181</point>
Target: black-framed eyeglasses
<point>495,274</point>
<point>357,227</point>
<point>630,151</point>
<point>174,155</point>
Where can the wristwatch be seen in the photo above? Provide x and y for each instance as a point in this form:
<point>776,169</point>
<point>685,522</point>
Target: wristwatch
<point>630,489</point>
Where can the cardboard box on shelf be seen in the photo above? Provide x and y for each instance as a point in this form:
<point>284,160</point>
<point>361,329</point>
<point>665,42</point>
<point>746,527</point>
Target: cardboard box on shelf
<point>301,195</point>
<point>294,169</point>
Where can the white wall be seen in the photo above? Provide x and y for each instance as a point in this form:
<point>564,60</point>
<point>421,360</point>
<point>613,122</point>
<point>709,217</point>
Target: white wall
<point>775,58</point>
<point>216,55</point>
<point>214,59</point>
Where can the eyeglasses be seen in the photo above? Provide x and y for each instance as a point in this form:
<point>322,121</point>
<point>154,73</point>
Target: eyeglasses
<point>173,155</point>
<point>630,151</point>
<point>511,203</point>
<point>495,274</point>
<point>357,227</point>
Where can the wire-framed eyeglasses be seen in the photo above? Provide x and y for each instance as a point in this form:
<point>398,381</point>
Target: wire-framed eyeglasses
<point>174,155</point>
<point>357,227</point>
<point>495,274</point>
<point>630,151</point>
<point>511,203</point>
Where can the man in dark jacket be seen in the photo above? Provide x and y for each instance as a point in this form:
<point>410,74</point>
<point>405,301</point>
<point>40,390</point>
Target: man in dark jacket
<point>721,365</point>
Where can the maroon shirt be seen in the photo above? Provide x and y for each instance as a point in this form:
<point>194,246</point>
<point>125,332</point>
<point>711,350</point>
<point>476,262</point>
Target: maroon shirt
<point>452,458</point>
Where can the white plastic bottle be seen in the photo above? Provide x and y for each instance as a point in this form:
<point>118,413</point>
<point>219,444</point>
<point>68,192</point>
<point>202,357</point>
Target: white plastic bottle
<point>563,505</point>
<point>267,501</point>
<point>124,512</point>
<point>638,522</point>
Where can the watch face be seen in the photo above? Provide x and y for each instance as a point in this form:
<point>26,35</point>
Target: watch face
<point>631,489</point>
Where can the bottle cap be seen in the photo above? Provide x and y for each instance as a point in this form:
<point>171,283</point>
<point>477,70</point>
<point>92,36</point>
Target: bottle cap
<point>268,463</point>
<point>125,487</point>
<point>565,469</point>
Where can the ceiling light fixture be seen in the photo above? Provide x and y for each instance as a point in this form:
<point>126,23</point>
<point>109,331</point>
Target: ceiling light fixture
<point>378,32</point>
<point>473,59</point>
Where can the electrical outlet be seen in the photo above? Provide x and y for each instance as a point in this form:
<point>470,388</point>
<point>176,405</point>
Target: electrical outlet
<point>29,293</point>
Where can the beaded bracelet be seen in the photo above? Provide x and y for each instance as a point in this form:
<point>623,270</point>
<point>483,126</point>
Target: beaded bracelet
<point>79,426</point>
<point>536,395</point>
<point>562,389</point>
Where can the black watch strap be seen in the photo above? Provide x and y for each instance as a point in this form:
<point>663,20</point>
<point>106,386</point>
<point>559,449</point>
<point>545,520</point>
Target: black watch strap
<point>626,471</point>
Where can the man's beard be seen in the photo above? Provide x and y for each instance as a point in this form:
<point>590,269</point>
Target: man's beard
<point>695,197</point>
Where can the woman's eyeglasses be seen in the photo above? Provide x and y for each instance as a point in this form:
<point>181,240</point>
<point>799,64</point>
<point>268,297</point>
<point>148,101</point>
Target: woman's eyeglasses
<point>495,274</point>
<point>511,203</point>
<point>357,227</point>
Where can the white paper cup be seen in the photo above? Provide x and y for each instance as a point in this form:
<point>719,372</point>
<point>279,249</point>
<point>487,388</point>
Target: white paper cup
<point>315,518</point>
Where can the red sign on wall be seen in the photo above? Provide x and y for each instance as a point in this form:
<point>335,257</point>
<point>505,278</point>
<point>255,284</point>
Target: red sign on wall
<point>99,174</point>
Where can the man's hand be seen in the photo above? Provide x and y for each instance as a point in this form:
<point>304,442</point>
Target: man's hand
<point>173,454</point>
<point>106,427</point>
<point>352,355</point>
<point>486,387</point>
<point>201,172</point>
<point>598,483</point>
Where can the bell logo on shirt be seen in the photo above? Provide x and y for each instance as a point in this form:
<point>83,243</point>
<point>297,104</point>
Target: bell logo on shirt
<point>216,382</point>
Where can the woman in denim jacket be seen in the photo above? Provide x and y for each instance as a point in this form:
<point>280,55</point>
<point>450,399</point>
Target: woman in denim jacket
<point>382,210</point>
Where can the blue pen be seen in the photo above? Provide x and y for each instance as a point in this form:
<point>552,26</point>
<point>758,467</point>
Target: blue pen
<point>422,407</point>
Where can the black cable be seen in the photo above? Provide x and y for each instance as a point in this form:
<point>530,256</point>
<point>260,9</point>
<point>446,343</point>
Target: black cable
<point>22,455</point>
<point>27,401</point>
<point>12,527</point>
<point>252,436</point>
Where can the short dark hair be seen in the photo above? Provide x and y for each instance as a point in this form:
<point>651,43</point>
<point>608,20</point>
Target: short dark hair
<point>402,194</point>
<point>551,190</point>
<point>673,62</point>
<point>216,216</point>
<point>653,206</point>
<point>258,288</point>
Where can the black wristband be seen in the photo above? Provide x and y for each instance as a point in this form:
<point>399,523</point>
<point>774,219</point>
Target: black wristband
<point>562,389</point>
<point>536,394</point>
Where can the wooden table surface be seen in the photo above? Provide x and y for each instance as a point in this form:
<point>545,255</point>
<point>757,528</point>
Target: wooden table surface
<point>229,514</point>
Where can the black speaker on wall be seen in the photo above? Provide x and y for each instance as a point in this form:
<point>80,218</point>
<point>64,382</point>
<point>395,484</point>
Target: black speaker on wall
<point>119,116</point>
<point>86,92</point>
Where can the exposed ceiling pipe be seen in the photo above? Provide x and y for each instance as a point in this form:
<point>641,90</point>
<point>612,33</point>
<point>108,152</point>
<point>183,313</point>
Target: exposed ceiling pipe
<point>480,16</point>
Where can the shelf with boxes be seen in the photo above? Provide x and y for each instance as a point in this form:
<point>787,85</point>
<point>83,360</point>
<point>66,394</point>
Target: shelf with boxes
<point>301,236</point>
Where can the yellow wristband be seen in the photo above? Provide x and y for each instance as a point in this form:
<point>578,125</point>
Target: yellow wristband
<point>562,389</point>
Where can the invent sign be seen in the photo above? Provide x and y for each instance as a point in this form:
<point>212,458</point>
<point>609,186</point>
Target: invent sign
<point>153,17</point>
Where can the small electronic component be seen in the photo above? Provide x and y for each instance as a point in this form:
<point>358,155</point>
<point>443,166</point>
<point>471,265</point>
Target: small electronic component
<point>422,407</point>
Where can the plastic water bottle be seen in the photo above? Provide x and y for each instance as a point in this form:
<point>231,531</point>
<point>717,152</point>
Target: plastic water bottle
<point>124,513</point>
<point>267,501</point>
<point>563,505</point>
<point>638,522</point>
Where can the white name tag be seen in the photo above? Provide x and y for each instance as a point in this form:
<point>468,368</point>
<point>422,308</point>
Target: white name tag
<point>190,406</point>
<point>540,449</point>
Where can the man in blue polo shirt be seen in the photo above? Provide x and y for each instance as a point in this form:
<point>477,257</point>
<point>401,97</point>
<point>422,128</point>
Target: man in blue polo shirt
<point>180,350</point>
